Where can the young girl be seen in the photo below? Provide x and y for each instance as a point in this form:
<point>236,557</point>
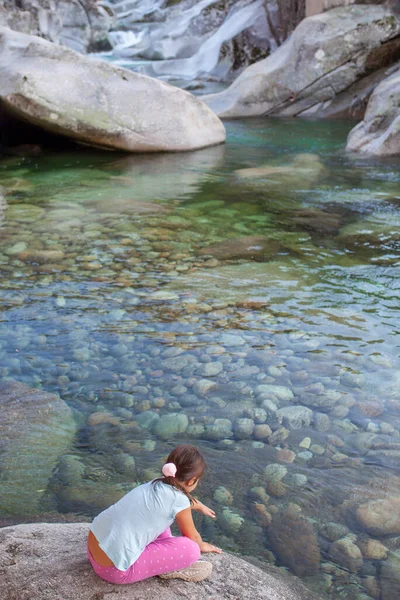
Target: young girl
<point>131,540</point>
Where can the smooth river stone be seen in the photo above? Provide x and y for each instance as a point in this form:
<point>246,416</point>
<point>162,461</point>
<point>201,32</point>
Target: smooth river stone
<point>295,417</point>
<point>170,425</point>
<point>380,517</point>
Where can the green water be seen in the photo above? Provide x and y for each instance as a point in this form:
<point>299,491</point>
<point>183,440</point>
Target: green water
<point>140,286</point>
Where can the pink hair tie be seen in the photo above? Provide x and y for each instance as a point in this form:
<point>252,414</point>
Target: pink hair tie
<point>169,470</point>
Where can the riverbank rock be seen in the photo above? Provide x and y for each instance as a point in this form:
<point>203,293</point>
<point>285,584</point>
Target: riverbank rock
<point>48,562</point>
<point>96,103</point>
<point>325,55</point>
<point>380,517</point>
<point>82,25</point>
<point>379,132</point>
<point>30,418</point>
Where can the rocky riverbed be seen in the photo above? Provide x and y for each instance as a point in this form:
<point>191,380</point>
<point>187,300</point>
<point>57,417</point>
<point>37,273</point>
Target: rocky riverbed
<point>173,298</point>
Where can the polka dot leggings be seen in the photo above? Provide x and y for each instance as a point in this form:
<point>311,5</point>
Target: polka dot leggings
<point>167,553</point>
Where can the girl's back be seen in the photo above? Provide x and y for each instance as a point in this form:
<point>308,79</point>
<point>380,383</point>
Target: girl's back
<point>124,529</point>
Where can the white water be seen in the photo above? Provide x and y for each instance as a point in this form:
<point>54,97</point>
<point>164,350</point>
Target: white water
<point>135,10</point>
<point>206,58</point>
<point>169,49</point>
<point>164,40</point>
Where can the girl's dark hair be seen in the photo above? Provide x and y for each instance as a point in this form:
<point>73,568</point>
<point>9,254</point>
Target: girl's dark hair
<point>189,464</point>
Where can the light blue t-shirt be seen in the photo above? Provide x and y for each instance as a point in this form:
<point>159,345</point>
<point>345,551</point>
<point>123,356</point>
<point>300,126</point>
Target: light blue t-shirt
<point>124,529</point>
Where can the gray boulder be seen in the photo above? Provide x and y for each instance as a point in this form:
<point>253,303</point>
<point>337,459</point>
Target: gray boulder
<point>295,417</point>
<point>96,103</point>
<point>42,422</point>
<point>379,132</point>
<point>48,562</point>
<point>82,25</point>
<point>325,55</point>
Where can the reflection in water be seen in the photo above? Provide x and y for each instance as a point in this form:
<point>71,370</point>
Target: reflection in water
<point>171,298</point>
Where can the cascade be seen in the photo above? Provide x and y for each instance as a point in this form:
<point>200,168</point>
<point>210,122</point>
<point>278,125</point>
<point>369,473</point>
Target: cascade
<point>173,44</point>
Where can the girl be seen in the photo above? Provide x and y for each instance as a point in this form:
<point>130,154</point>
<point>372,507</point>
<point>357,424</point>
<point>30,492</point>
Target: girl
<point>131,540</point>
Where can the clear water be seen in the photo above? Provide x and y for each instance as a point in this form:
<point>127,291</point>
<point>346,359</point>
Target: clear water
<point>130,311</point>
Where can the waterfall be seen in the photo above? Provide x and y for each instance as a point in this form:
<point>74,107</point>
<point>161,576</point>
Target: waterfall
<point>205,60</point>
<point>169,43</point>
<point>160,40</point>
<point>135,10</point>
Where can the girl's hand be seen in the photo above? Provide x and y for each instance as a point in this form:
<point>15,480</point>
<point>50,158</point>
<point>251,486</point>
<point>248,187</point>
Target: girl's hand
<point>203,509</point>
<point>206,547</point>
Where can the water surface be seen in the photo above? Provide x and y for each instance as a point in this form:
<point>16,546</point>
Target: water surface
<point>137,287</point>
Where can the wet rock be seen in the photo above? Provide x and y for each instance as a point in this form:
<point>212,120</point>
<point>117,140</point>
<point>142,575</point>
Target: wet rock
<point>170,425</point>
<point>262,432</point>
<point>219,430</point>
<point>373,549</point>
<point>259,494</point>
<point>345,553</point>
<point>174,363</point>
<point>274,472</point>
<point>70,470</point>
<point>41,256</point>
<point>243,428</point>
<point>318,220</point>
<point>371,585</point>
<point>223,496</point>
<point>203,387</point>
<point>293,540</point>
<point>302,171</point>
<point>124,463</point>
<point>101,417</point>
<point>230,339</point>
<point>380,517</point>
<point>278,391</point>
<point>280,435</point>
<point>211,369</point>
<point>28,66</point>
<point>230,521</point>
<point>251,247</point>
<point>329,44</point>
<point>89,496</point>
<point>390,577</point>
<point>379,132</point>
<point>285,455</point>
<point>43,423</point>
<point>295,417</point>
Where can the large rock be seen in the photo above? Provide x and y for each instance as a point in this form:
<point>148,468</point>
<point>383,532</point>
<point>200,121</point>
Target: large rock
<point>379,132</point>
<point>380,517</point>
<point>48,562</point>
<point>295,417</point>
<point>96,103</point>
<point>82,25</point>
<point>256,247</point>
<point>293,540</point>
<point>325,55</point>
<point>36,429</point>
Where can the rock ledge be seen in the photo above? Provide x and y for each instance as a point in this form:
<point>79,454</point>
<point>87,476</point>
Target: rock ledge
<point>48,562</point>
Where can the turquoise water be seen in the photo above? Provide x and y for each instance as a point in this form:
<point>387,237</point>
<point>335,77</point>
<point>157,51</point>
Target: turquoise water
<point>221,287</point>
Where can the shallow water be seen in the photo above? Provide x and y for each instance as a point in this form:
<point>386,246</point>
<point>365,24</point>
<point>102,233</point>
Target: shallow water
<point>122,291</point>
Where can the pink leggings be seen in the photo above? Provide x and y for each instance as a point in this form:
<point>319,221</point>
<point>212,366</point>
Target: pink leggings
<point>167,553</point>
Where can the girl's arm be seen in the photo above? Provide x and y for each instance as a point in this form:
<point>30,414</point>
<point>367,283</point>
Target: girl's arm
<point>187,528</point>
<point>202,508</point>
